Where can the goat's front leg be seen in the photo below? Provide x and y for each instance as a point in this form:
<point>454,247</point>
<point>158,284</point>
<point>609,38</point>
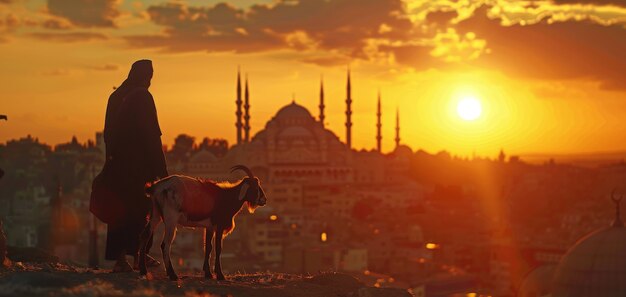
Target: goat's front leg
<point>208,238</point>
<point>218,252</point>
<point>166,247</point>
<point>143,241</point>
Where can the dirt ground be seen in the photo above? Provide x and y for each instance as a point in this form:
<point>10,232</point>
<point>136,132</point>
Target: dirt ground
<point>62,280</point>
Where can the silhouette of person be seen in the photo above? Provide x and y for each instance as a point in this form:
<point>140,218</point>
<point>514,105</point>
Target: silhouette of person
<point>134,155</point>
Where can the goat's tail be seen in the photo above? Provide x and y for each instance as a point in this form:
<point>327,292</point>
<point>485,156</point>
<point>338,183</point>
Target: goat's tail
<point>153,193</point>
<point>149,188</point>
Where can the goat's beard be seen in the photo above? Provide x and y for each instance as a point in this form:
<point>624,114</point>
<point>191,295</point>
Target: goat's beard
<point>251,207</point>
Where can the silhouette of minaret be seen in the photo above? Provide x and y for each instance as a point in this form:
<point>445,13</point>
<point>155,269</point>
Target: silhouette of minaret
<point>501,156</point>
<point>349,113</point>
<point>238,102</point>
<point>246,116</point>
<point>322,117</point>
<point>379,125</point>
<point>397,127</point>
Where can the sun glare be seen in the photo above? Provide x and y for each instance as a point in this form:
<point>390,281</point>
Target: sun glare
<point>469,108</point>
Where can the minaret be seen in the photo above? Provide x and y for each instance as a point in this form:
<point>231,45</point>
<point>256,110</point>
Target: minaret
<point>321,106</point>
<point>379,125</point>
<point>238,102</point>
<point>397,127</point>
<point>246,116</point>
<point>349,113</point>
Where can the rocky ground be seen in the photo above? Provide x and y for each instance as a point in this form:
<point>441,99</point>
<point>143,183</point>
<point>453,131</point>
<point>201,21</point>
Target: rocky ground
<point>54,279</point>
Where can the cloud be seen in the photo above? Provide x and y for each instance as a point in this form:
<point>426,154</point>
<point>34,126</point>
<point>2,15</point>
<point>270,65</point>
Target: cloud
<point>594,2</point>
<point>8,24</point>
<point>559,50</point>
<point>544,40</point>
<point>105,67</point>
<point>57,72</point>
<point>440,18</point>
<point>326,59</point>
<point>68,37</point>
<point>306,25</point>
<point>56,24</point>
<point>86,13</point>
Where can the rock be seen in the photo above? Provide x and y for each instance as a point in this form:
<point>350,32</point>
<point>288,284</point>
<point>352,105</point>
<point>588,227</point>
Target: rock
<point>383,292</point>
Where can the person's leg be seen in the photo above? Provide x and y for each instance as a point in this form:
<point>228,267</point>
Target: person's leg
<point>114,243</point>
<point>115,250</point>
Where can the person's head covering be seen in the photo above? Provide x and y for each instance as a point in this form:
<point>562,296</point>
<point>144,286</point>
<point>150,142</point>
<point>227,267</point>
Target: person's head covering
<point>140,71</point>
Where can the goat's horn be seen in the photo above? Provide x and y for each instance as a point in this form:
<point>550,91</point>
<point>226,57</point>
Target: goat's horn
<point>243,168</point>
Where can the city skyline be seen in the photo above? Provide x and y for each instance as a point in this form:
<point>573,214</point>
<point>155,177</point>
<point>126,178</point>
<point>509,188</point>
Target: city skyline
<point>421,148</point>
<point>546,93</point>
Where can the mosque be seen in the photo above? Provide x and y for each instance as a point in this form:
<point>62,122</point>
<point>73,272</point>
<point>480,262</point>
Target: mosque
<point>296,147</point>
<point>312,177</point>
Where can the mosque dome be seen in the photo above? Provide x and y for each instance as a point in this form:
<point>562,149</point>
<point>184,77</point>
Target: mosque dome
<point>537,283</point>
<point>595,265</point>
<point>403,151</point>
<point>293,110</point>
<point>296,132</point>
<point>203,156</point>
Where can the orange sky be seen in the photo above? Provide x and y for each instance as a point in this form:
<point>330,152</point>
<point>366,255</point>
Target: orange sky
<point>551,75</point>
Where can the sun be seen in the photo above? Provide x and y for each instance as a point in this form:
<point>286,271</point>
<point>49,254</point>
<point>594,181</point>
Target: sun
<point>469,108</point>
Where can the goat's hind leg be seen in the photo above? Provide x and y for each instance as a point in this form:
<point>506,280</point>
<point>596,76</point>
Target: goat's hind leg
<point>208,238</point>
<point>147,232</point>
<point>166,247</point>
<point>218,253</point>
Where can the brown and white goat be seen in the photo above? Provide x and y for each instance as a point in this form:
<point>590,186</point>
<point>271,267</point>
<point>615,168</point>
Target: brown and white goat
<point>192,202</point>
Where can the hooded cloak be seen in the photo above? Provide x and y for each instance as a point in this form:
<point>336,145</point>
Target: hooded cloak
<point>134,157</point>
<point>140,71</point>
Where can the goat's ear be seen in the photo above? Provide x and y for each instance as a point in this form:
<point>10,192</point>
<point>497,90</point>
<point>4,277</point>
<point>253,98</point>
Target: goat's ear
<point>244,190</point>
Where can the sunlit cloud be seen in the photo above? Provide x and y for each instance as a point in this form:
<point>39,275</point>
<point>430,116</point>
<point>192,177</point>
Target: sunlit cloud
<point>530,39</point>
<point>454,47</point>
<point>552,50</point>
<point>104,67</point>
<point>68,36</point>
<point>301,26</point>
<point>595,2</point>
<point>86,13</point>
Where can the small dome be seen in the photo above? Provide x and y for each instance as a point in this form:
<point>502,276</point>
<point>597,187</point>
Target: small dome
<point>403,150</point>
<point>203,156</point>
<point>293,110</point>
<point>595,265</point>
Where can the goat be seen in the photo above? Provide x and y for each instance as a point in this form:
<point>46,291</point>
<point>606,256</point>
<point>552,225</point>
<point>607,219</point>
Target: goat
<point>192,202</point>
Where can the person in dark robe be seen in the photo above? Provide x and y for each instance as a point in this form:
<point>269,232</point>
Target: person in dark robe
<point>134,156</point>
